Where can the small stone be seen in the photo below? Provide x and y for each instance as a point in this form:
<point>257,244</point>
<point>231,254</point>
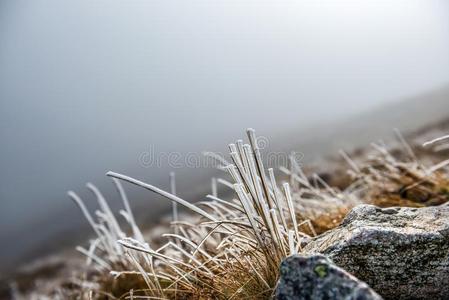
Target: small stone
<point>316,277</point>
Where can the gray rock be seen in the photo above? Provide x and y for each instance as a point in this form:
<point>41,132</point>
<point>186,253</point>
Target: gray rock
<point>402,253</point>
<point>316,277</point>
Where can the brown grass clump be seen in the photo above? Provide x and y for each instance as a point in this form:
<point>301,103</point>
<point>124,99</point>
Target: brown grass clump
<point>398,178</point>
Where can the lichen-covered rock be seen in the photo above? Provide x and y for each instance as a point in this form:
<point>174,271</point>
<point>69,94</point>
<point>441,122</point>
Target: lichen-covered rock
<point>316,277</point>
<point>402,253</point>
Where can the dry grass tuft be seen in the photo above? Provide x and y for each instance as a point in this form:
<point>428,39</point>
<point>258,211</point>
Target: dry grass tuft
<point>231,250</point>
<point>398,178</point>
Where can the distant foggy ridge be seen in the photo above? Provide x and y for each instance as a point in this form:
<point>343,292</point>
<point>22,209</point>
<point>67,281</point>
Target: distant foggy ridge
<point>408,115</point>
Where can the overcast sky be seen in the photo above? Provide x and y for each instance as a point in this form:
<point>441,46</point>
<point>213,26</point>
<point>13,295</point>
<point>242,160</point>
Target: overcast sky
<point>86,86</point>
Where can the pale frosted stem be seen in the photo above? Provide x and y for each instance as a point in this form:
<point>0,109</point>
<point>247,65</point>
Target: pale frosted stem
<point>162,193</point>
<point>350,162</point>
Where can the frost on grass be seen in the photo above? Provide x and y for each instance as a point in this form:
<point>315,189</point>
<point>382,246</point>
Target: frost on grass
<point>232,248</point>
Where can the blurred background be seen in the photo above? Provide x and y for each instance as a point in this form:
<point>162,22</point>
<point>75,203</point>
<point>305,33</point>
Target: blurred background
<point>90,86</point>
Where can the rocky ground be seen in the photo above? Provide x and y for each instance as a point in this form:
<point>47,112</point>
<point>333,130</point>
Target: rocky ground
<point>396,246</point>
<point>400,252</point>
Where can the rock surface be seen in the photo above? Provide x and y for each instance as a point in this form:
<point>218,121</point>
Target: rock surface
<point>316,277</point>
<point>402,253</point>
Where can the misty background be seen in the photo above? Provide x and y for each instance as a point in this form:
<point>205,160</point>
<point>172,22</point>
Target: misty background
<point>89,86</point>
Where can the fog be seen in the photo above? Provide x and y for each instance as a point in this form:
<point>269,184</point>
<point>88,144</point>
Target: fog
<point>90,86</point>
